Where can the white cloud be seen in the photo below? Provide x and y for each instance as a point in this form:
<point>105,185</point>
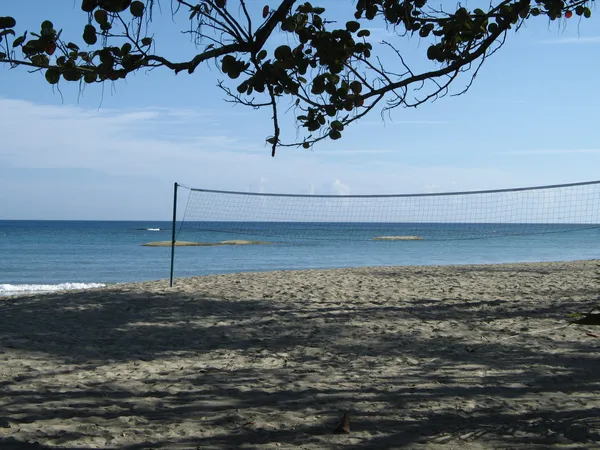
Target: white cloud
<point>338,152</point>
<point>74,162</point>
<point>263,184</point>
<point>430,188</point>
<point>340,188</point>
<point>408,122</point>
<point>572,40</point>
<point>542,151</point>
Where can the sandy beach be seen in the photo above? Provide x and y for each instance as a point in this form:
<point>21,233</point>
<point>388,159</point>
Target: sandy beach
<point>465,357</point>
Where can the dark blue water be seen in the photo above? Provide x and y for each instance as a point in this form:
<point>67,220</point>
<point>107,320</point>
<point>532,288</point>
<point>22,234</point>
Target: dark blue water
<point>35,253</point>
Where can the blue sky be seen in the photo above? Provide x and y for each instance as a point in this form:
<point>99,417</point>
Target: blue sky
<point>114,152</point>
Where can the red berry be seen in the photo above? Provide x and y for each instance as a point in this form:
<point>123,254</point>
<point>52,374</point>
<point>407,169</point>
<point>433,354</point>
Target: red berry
<point>569,14</point>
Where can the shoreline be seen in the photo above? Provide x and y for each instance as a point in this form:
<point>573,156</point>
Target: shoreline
<point>183,279</point>
<point>425,357</point>
<point>109,284</point>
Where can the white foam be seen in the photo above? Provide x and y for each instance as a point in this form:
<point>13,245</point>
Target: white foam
<point>152,229</point>
<point>11,289</point>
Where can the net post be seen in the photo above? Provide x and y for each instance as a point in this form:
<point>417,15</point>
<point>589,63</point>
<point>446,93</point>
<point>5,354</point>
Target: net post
<point>173,233</point>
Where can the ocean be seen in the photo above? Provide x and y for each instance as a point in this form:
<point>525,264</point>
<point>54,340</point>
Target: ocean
<point>38,256</point>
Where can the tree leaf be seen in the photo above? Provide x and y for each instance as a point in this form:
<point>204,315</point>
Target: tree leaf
<point>137,9</point>
<point>52,76</point>
<point>7,22</point>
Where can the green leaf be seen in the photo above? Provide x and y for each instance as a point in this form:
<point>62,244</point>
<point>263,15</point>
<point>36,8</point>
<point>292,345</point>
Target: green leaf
<point>305,8</point>
<point>6,33</point>
<point>588,319</point>
<point>261,55</point>
<point>7,22</point>
<point>31,47</point>
<point>330,110</point>
<point>352,26</point>
<point>242,87</point>
<point>363,33</point>
<point>40,60</point>
<point>146,41</point>
<point>89,5</point>
<point>227,63</point>
<point>89,34</point>
<point>47,25</point>
<point>432,52</point>
<point>137,9</point>
<point>524,12</point>
<point>115,6</point>
<point>71,75</point>
<point>335,135</point>
<point>18,41</point>
<point>337,125</point>
<point>587,13</point>
<point>52,76</point>
<point>101,16</point>
<point>356,87</point>
<point>283,52</point>
<point>317,88</point>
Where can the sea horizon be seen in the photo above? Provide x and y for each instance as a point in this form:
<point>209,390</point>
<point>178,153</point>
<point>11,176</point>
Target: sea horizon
<point>39,255</point>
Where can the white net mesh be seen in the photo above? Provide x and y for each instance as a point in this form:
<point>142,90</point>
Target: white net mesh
<point>213,216</point>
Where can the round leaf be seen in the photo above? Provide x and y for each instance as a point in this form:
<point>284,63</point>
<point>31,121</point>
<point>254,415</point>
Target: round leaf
<point>337,125</point>
<point>101,16</point>
<point>89,35</point>
<point>89,5</point>
<point>89,77</point>
<point>352,26</point>
<point>47,25</point>
<point>137,9</point>
<point>114,6</point>
<point>335,135</point>
<point>52,76</point>
<point>7,22</point>
<point>283,52</point>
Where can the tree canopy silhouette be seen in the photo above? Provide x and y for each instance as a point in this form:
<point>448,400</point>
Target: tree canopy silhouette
<point>333,73</point>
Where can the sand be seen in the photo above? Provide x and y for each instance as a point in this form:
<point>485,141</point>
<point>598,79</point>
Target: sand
<point>465,357</point>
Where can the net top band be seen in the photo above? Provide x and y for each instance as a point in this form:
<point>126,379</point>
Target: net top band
<point>437,194</point>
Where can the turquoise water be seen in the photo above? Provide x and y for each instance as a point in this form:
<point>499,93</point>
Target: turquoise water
<point>51,255</point>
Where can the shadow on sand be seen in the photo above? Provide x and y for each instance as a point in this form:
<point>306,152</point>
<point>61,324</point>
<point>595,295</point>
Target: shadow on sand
<point>404,388</point>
